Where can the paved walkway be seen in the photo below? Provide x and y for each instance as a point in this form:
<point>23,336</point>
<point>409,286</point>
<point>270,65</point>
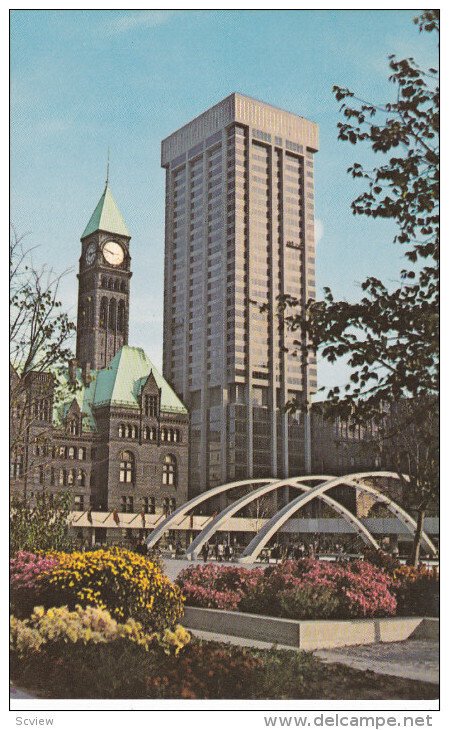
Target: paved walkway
<point>412,659</point>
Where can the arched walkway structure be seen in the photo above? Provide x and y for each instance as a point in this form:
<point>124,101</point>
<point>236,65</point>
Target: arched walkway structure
<point>297,483</point>
<point>351,481</point>
<point>184,509</point>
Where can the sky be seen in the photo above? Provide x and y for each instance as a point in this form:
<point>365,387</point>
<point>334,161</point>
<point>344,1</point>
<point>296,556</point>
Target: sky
<point>86,81</point>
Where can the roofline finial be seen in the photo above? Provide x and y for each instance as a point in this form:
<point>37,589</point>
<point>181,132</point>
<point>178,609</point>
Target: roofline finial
<point>107,171</point>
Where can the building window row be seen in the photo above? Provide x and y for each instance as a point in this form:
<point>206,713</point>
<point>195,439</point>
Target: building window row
<point>113,284</point>
<point>149,433</point>
<point>127,469</point>
<point>42,409</point>
<point>66,477</point>
<point>69,452</point>
<point>112,316</point>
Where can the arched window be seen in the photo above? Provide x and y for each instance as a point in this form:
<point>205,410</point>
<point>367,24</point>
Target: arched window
<point>71,477</point>
<point>110,284</point>
<point>163,434</point>
<point>121,317</point>
<point>169,471</point>
<point>116,285</point>
<point>145,433</point>
<point>81,478</point>
<point>127,468</point>
<point>112,314</point>
<point>104,282</point>
<point>82,453</point>
<point>169,434</point>
<point>62,478</point>
<point>71,452</point>
<point>127,431</point>
<point>153,434</point>
<point>74,427</point>
<point>121,431</point>
<point>104,313</point>
<point>134,432</point>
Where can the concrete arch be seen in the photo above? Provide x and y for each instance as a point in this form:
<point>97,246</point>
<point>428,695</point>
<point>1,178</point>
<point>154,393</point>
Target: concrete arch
<point>275,523</point>
<point>298,483</point>
<point>181,511</point>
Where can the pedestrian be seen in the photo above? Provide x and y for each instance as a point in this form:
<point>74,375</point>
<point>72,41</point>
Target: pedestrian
<point>220,552</point>
<point>227,552</point>
<point>205,551</point>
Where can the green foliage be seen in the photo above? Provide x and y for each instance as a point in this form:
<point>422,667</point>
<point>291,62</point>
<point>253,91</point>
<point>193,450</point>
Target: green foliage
<point>122,669</point>
<point>310,602</point>
<point>390,337</point>
<point>41,525</point>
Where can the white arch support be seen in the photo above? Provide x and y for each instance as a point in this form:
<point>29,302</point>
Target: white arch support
<point>182,511</point>
<point>275,523</point>
<point>297,483</point>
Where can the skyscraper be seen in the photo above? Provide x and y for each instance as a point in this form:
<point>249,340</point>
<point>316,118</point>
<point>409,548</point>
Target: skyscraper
<point>239,233</point>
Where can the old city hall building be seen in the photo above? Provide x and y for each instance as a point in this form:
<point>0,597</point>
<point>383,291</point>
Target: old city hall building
<point>108,428</point>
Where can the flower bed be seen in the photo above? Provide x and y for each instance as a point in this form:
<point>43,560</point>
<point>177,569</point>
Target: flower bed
<point>124,583</point>
<point>310,589</point>
<point>123,669</point>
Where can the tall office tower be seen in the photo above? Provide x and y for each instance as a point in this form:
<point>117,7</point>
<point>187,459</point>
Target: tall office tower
<point>239,233</point>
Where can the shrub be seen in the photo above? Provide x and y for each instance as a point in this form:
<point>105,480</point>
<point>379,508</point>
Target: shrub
<point>84,625</point>
<point>347,590</point>
<point>213,586</point>
<point>309,602</point>
<point>416,590</point>
<point>125,583</point>
<point>207,670</point>
<point>25,571</point>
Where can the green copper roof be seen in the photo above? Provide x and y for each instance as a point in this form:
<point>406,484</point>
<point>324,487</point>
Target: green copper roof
<point>83,394</point>
<point>118,384</point>
<point>106,217</point>
<point>121,382</point>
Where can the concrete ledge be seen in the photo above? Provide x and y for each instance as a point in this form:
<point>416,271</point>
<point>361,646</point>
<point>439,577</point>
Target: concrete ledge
<point>428,629</point>
<point>309,635</point>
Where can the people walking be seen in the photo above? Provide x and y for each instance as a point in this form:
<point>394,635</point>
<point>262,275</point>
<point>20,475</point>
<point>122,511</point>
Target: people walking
<point>205,551</point>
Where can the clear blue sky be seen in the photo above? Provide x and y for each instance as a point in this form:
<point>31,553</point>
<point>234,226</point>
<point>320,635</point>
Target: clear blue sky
<point>85,80</point>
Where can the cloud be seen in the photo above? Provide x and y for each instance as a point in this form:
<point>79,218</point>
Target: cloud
<point>137,19</point>
<point>319,230</point>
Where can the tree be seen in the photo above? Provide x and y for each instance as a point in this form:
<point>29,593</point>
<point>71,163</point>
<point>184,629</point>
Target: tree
<point>40,344</point>
<point>390,338</point>
<point>409,445</point>
<point>42,526</point>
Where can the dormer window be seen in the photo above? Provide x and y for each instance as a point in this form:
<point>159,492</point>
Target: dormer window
<point>151,405</point>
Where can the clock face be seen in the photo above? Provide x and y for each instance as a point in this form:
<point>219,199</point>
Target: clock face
<point>90,254</point>
<point>113,253</point>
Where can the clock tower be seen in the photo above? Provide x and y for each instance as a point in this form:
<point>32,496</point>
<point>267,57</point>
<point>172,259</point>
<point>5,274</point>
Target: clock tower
<point>103,290</point>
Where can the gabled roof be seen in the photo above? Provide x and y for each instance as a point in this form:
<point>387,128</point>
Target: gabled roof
<point>107,217</point>
<point>119,384</point>
<point>122,381</point>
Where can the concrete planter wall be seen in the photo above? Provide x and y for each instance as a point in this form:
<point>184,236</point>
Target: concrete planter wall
<point>309,635</point>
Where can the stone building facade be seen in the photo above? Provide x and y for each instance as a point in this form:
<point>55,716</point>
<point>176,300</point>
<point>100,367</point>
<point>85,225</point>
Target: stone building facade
<point>108,427</point>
